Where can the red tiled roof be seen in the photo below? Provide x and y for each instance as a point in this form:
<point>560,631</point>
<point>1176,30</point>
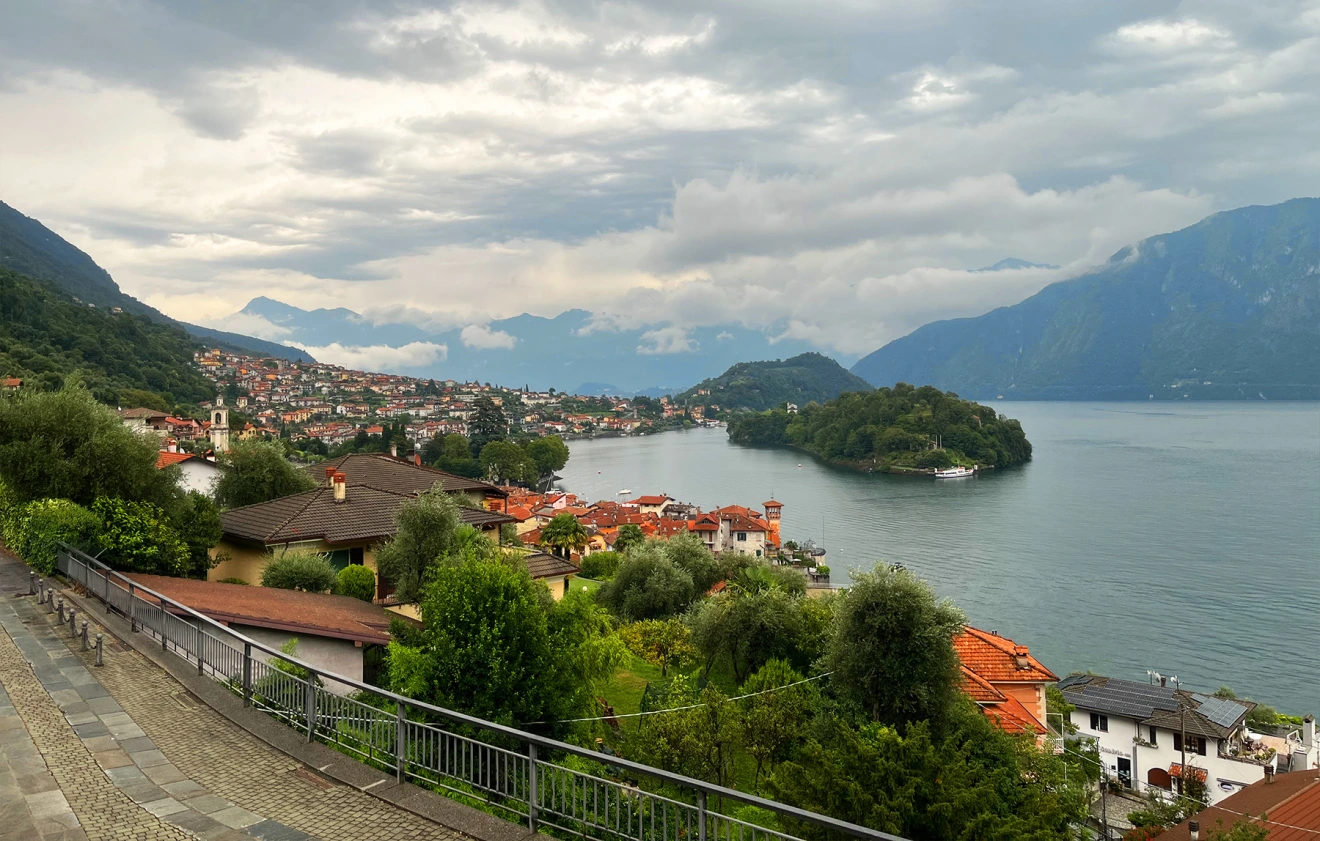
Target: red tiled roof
<point>1012,717</point>
<point>165,458</point>
<point>979,689</point>
<point>319,614</point>
<point>649,500</point>
<point>772,504</point>
<point>1291,803</point>
<point>995,658</point>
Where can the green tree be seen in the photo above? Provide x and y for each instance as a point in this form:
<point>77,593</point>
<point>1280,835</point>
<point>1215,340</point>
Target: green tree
<point>549,454</point>
<point>701,741</point>
<point>748,625</point>
<point>492,646</point>
<point>486,424</point>
<point>357,581</point>
<point>426,530</point>
<point>564,535</point>
<point>257,471</point>
<point>647,585</point>
<point>505,461</point>
<point>197,521</point>
<point>630,535</point>
<point>1240,831</point>
<point>891,650</point>
<point>773,720</point>
<point>299,569</point>
<point>600,566</point>
<point>138,537</point>
<point>974,782</point>
<point>666,643</point>
<point>65,445</point>
<point>689,553</point>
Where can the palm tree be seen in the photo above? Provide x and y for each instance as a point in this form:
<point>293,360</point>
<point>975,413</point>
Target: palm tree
<point>564,534</point>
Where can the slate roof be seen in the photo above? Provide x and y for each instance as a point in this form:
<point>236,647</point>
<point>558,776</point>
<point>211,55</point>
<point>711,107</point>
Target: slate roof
<point>387,473</point>
<point>367,514</point>
<point>1291,803</point>
<point>317,614</point>
<point>1159,706</point>
<point>545,565</point>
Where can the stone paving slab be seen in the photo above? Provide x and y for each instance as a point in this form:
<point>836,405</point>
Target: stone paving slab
<point>183,765</point>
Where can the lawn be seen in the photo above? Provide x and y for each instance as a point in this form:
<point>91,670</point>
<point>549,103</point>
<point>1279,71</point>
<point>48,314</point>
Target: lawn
<point>588,584</point>
<point>625,690</point>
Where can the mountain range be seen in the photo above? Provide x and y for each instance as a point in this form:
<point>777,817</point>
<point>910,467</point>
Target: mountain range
<point>573,351</point>
<point>1228,308</point>
<point>31,249</point>
<point>758,386</point>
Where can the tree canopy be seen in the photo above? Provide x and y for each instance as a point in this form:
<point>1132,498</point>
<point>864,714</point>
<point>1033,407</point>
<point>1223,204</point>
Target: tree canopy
<point>901,426</point>
<point>257,471</point>
<point>427,529</point>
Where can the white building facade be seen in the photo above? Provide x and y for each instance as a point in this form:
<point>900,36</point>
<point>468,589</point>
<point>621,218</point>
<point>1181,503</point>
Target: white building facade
<point>1146,732</point>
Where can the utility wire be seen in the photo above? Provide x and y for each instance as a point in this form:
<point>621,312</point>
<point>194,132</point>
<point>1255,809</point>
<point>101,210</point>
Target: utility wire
<point>1139,783</point>
<point>680,709</point>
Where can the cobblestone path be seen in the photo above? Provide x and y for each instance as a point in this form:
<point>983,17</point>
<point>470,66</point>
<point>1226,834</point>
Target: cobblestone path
<point>123,751</point>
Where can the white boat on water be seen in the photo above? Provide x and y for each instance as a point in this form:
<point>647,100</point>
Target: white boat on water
<point>955,473</point>
<point>624,492</point>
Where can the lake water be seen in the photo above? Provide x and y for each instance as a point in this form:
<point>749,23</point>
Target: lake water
<point>1183,538</point>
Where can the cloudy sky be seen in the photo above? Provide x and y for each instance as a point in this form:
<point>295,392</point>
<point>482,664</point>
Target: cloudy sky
<point>831,167</point>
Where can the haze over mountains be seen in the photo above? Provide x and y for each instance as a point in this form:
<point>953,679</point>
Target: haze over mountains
<point>1228,308</point>
<point>573,351</point>
<point>33,250</point>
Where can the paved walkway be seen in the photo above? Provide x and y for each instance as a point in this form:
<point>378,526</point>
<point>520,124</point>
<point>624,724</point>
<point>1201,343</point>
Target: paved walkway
<point>123,751</point>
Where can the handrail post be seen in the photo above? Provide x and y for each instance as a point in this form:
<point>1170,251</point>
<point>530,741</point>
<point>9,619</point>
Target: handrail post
<point>701,816</point>
<point>163,624</point>
<point>132,608</point>
<point>201,647</point>
<point>309,706</point>
<point>399,741</point>
<point>247,674</point>
<point>533,794</point>
<point>105,576</point>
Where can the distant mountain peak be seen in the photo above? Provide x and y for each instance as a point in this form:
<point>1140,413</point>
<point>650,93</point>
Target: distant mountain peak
<point>1014,263</point>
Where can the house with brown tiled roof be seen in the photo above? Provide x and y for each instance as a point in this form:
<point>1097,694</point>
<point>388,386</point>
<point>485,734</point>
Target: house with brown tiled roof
<point>1290,804</point>
<point>1004,680</point>
<point>348,517</point>
<point>338,633</point>
<point>195,473</point>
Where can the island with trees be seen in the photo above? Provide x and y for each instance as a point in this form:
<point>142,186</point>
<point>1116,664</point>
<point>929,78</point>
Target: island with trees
<point>898,430</point>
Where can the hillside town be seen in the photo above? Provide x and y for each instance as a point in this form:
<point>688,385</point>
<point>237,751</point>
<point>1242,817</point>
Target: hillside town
<point>273,397</point>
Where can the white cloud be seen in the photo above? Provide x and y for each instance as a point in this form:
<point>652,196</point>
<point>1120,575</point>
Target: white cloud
<point>249,325</point>
<point>483,338</point>
<point>381,357</point>
<point>666,340</point>
<point>1168,36</point>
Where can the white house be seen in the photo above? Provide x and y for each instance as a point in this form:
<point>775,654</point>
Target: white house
<point>1146,732</point>
<point>196,473</point>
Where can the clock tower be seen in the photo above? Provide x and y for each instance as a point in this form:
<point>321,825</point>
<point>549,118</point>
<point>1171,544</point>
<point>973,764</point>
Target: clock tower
<point>220,426</point>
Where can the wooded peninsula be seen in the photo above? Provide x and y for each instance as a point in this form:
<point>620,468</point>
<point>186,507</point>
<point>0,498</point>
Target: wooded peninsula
<point>897,430</point>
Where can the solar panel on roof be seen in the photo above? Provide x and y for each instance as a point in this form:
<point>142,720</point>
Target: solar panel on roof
<point>1219,710</point>
<point>1124,697</point>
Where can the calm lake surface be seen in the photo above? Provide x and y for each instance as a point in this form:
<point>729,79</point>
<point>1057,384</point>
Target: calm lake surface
<point>1183,538</point>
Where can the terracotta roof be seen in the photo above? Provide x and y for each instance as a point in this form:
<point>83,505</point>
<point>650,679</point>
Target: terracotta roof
<point>545,565</point>
<point>772,504</point>
<point>979,689</point>
<point>1177,770</point>
<point>1011,716</point>
<point>319,614</point>
<point>649,500</point>
<point>387,473</point>
<point>166,458</point>
<point>1291,803</point>
<point>995,658</point>
<point>737,522</point>
<point>367,514</point>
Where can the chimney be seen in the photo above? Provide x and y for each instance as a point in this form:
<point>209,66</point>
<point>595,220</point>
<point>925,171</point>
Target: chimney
<point>172,446</point>
<point>1194,830</point>
<point>330,476</point>
<point>1308,732</point>
<point>1269,774</point>
<point>341,487</point>
<point>1163,680</point>
<point>394,450</point>
<point>1020,660</point>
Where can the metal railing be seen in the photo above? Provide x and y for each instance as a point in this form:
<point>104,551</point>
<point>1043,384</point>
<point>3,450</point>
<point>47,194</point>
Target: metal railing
<point>509,771</point>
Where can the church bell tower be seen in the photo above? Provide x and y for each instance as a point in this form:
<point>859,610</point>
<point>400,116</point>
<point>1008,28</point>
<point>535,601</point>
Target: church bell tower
<point>220,426</point>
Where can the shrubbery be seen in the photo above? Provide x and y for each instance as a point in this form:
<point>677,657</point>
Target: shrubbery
<point>357,581</point>
<point>299,569</point>
<point>138,537</point>
<point>35,530</point>
<point>601,566</point>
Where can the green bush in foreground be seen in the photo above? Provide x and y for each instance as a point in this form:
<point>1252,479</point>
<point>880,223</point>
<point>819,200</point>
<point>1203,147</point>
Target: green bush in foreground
<point>37,529</point>
<point>300,569</point>
<point>357,581</point>
<point>138,537</point>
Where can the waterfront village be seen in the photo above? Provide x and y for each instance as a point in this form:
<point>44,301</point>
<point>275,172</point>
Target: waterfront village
<point>1147,736</point>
